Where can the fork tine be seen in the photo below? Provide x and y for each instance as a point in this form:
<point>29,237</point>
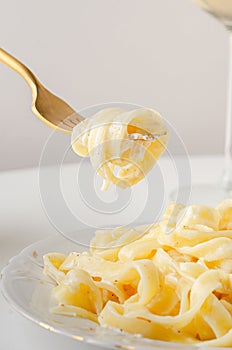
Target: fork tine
<point>73,120</point>
<point>75,117</point>
<point>64,127</point>
<point>146,137</point>
<point>67,123</point>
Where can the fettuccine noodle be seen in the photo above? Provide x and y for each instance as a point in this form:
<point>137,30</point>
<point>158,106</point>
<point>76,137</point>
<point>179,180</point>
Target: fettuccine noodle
<point>170,281</point>
<point>119,160</point>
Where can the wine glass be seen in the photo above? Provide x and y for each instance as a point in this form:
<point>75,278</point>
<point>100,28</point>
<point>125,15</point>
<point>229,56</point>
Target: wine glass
<point>212,194</point>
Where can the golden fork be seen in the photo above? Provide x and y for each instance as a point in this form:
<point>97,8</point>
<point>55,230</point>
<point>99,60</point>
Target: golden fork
<point>53,111</point>
<point>46,106</point>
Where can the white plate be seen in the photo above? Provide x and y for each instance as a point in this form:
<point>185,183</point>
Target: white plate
<point>28,291</point>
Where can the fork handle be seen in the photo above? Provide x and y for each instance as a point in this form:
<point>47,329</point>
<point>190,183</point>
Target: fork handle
<point>19,67</point>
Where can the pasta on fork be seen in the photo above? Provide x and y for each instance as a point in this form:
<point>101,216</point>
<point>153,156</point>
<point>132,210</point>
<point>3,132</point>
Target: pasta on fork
<point>105,139</point>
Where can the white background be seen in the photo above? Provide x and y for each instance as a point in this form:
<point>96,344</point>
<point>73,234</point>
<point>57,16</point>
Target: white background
<point>164,54</point>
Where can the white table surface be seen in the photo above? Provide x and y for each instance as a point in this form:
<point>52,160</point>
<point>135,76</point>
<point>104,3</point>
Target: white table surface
<point>22,222</point>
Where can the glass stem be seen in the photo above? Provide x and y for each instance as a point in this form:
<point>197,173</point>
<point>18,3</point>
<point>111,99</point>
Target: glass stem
<point>227,177</point>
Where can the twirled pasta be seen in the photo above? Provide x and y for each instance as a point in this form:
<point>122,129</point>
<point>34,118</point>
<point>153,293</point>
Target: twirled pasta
<point>170,281</point>
<point>104,138</point>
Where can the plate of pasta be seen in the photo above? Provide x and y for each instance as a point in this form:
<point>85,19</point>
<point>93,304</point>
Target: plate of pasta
<point>163,285</point>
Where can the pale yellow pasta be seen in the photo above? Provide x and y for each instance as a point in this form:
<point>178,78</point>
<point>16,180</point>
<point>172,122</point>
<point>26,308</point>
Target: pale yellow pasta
<point>119,160</point>
<point>169,281</point>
